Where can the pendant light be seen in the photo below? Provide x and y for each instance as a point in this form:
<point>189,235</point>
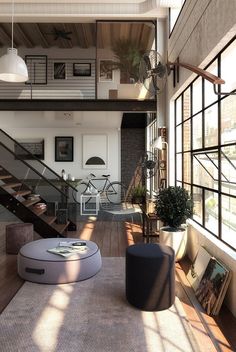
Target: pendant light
<point>12,67</point>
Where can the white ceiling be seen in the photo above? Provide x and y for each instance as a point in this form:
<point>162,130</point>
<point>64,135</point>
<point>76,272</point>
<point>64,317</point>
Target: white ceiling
<point>80,10</point>
<point>62,119</point>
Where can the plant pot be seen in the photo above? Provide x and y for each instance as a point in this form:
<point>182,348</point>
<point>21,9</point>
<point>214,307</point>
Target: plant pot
<point>138,200</point>
<point>175,239</point>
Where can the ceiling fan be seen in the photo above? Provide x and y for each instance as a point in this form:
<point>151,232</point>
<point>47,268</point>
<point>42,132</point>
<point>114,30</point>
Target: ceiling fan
<point>60,34</point>
<point>153,73</point>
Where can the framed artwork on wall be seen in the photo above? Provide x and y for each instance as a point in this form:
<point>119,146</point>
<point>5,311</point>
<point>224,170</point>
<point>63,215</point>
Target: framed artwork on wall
<point>34,146</point>
<point>106,71</point>
<point>37,68</point>
<point>64,149</point>
<point>94,151</point>
<point>59,70</point>
<point>82,69</point>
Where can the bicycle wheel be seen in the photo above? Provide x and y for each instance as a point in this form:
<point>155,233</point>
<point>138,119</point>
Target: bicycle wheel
<point>81,188</point>
<point>116,192</point>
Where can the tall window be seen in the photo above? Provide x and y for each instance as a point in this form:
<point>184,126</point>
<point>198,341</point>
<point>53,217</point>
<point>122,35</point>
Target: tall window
<point>206,148</point>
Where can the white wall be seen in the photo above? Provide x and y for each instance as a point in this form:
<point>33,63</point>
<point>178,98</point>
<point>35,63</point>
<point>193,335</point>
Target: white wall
<point>203,29</point>
<point>29,127</point>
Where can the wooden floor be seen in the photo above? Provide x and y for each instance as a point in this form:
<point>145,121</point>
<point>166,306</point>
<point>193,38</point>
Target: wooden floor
<point>213,334</point>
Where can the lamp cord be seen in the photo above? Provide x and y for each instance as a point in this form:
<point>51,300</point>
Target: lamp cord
<point>12,17</point>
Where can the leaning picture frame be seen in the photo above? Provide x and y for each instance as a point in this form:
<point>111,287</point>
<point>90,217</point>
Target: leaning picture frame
<point>64,149</point>
<point>82,69</point>
<point>106,71</point>
<point>59,70</point>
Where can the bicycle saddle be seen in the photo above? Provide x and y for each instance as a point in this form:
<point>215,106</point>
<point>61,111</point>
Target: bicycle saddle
<point>106,176</point>
<point>92,175</point>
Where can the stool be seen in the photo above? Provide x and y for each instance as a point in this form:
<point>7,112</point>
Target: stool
<point>17,235</point>
<point>150,276</point>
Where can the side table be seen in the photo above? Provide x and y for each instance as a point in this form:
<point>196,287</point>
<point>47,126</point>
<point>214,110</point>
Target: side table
<point>89,211</point>
<point>149,224</point>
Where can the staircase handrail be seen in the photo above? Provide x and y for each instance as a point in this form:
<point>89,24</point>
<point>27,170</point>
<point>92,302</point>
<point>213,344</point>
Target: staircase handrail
<point>35,158</point>
<point>32,168</point>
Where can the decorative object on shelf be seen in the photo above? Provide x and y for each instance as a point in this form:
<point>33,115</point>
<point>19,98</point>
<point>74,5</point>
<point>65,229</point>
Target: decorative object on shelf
<point>59,70</point>
<point>37,69</point>
<point>63,174</point>
<point>163,164</point>
<point>64,149</point>
<point>82,69</point>
<point>12,67</point>
<point>173,207</point>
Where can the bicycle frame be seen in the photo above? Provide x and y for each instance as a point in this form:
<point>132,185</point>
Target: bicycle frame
<point>106,183</point>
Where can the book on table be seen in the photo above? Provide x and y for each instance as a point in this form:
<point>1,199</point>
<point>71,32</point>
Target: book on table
<point>67,249</point>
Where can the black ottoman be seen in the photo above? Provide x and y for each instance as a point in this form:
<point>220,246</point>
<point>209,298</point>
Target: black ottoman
<point>150,276</point>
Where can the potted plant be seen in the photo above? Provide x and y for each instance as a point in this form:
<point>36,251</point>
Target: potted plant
<point>173,207</point>
<point>138,195</point>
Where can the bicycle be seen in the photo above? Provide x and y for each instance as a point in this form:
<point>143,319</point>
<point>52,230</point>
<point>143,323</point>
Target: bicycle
<point>115,192</point>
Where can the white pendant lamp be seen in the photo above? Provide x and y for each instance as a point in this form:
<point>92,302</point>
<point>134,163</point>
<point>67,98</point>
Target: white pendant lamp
<point>12,67</point>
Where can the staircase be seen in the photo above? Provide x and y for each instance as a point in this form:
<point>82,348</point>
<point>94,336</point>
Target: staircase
<point>21,179</point>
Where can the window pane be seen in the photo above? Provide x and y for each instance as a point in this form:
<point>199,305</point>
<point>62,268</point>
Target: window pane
<point>211,126</point>
<point>186,104</point>
<point>187,167</point>
<point>228,119</point>
<point>197,204</point>
<point>197,131</point>
<point>179,139</point>
<point>228,59</point>
<point>210,96</point>
<point>179,110</point>
<point>228,225</point>
<point>197,95</point>
<point>187,134</point>
<point>179,167</point>
<point>211,212</point>
<point>205,170</point>
<point>228,169</point>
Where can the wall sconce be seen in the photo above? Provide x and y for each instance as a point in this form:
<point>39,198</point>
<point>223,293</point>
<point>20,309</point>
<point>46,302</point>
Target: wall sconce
<point>12,67</point>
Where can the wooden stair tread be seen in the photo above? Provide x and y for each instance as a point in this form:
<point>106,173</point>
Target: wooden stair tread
<point>60,227</point>
<point>48,219</point>
<point>21,193</point>
<point>38,212</point>
<point>11,185</point>
<point>29,202</point>
<point>4,177</point>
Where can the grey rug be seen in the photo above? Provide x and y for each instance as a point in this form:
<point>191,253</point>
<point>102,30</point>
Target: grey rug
<point>90,316</point>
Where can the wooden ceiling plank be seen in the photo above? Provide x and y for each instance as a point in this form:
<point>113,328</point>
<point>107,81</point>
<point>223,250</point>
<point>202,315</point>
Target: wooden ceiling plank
<point>44,43</point>
<point>25,39</point>
<point>5,39</point>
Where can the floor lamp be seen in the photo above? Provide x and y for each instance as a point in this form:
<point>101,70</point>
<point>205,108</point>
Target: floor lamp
<point>158,144</point>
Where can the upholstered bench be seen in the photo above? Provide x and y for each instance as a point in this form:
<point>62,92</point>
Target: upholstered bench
<point>150,276</point>
<point>36,264</point>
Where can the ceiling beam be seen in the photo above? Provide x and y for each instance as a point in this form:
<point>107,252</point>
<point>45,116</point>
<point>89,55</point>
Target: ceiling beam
<point>25,41</point>
<point>78,105</point>
<point>44,42</point>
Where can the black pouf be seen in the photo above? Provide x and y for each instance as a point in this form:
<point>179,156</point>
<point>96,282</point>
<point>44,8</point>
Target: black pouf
<point>150,276</point>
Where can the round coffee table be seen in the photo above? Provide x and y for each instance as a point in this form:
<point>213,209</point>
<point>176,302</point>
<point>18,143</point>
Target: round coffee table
<point>36,264</point>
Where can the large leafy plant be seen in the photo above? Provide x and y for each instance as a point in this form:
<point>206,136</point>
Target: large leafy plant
<point>173,206</point>
<point>128,56</point>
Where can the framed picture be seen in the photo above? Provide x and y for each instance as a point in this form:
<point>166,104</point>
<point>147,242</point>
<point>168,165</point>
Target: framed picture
<point>59,70</point>
<point>94,151</point>
<point>31,147</point>
<point>106,71</point>
<point>81,69</point>
<point>37,68</point>
<point>64,149</point>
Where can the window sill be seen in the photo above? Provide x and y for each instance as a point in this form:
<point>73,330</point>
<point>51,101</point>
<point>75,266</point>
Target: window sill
<point>223,247</point>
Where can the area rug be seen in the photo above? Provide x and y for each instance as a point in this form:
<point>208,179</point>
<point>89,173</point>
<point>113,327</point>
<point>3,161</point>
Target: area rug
<point>89,316</point>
